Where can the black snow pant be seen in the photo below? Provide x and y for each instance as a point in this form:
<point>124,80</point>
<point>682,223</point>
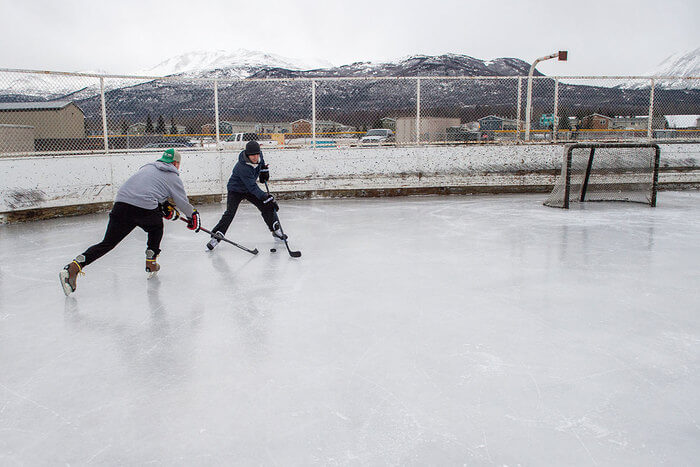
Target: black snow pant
<point>233,200</point>
<point>122,220</point>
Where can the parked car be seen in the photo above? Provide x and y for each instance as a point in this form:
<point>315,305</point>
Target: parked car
<point>378,135</point>
<point>239,140</point>
<point>458,133</point>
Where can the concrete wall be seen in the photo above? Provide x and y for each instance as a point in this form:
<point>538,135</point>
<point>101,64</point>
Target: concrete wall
<point>35,187</point>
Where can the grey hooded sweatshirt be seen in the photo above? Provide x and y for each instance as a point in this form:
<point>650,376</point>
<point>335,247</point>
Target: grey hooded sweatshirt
<point>154,183</point>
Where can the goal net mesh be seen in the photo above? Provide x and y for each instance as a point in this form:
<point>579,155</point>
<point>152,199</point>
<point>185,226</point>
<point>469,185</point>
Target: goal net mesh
<point>607,172</point>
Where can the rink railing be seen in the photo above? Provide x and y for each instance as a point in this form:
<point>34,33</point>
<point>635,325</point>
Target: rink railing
<point>44,186</point>
<point>424,110</point>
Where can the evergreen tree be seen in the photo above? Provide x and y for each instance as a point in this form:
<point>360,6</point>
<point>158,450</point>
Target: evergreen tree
<point>160,126</point>
<point>173,128</point>
<point>149,125</point>
<point>564,123</point>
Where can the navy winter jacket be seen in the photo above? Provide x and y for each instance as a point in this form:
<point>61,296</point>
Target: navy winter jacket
<point>244,176</point>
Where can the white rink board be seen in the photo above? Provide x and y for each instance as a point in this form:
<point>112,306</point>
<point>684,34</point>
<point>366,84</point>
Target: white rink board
<point>53,181</point>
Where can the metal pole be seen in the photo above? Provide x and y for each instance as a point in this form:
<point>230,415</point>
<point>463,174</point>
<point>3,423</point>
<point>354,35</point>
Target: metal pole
<point>650,133</point>
<point>555,123</point>
<point>313,114</point>
<point>528,108</point>
<point>520,100</point>
<point>104,114</point>
<point>216,111</point>
<point>528,105</point>
<point>418,110</point>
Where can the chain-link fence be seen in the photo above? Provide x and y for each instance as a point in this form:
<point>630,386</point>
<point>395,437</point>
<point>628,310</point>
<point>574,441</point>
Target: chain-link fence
<point>67,112</point>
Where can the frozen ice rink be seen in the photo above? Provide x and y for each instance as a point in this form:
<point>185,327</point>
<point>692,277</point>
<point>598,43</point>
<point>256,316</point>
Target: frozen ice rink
<point>478,330</point>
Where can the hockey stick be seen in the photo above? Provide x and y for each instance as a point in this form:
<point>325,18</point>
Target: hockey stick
<point>293,254</point>
<point>254,251</point>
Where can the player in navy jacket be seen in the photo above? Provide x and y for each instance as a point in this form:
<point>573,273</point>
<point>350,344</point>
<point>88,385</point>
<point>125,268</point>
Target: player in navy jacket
<point>242,185</point>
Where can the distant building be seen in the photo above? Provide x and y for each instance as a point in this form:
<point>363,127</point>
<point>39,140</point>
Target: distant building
<point>303,126</point>
<point>596,122</point>
<point>638,122</point>
<point>685,122</point>
<point>629,123</point>
<point>389,123</point>
<point>16,138</point>
<point>431,129</point>
<point>51,120</point>
<point>496,123</point>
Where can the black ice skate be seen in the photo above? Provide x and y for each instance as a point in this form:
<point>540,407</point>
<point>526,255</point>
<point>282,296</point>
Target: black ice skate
<point>69,275</point>
<point>215,239</point>
<point>152,267</point>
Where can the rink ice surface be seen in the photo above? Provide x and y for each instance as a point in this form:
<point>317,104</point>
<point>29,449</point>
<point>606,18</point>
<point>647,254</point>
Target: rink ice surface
<point>477,330</point>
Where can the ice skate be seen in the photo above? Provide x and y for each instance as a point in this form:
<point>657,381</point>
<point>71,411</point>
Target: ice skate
<point>215,240</point>
<point>277,232</point>
<point>69,275</point>
<point>152,267</point>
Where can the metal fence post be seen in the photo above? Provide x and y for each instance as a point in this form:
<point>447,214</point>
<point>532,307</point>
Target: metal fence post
<point>417,110</point>
<point>528,108</point>
<point>520,110</point>
<point>650,133</point>
<point>104,113</point>
<point>313,113</point>
<point>555,116</point>
<point>216,111</point>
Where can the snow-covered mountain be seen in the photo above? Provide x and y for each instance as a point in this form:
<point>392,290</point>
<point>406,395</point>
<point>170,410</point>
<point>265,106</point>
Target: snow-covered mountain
<point>415,65</point>
<point>240,63</point>
<point>685,63</point>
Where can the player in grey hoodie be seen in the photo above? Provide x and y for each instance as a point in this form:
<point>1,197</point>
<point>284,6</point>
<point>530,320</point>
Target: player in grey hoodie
<point>142,201</point>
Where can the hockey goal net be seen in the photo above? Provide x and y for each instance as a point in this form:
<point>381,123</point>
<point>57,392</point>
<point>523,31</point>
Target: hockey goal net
<point>607,172</point>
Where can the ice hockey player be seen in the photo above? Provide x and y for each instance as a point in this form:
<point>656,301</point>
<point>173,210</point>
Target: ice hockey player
<point>142,201</point>
<point>242,184</point>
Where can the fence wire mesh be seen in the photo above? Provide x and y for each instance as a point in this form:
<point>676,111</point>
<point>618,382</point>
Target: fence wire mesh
<point>64,112</point>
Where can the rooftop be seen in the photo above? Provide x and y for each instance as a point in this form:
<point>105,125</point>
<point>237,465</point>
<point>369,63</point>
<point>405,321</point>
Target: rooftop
<point>53,105</point>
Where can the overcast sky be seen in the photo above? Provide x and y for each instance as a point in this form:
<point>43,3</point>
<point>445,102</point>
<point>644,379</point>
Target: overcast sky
<point>603,38</point>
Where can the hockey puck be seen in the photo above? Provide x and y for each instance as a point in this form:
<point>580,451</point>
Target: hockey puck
<point>272,250</point>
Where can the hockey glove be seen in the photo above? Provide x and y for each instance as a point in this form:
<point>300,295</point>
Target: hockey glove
<point>264,173</point>
<point>194,223</point>
<point>169,211</point>
<point>270,201</point>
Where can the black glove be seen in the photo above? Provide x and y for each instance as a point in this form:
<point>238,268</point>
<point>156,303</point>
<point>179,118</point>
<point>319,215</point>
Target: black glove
<point>194,223</point>
<point>270,201</point>
<point>264,173</point>
<point>168,211</point>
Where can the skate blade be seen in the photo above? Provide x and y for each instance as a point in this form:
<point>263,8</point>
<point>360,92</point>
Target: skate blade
<point>152,274</point>
<point>63,277</point>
